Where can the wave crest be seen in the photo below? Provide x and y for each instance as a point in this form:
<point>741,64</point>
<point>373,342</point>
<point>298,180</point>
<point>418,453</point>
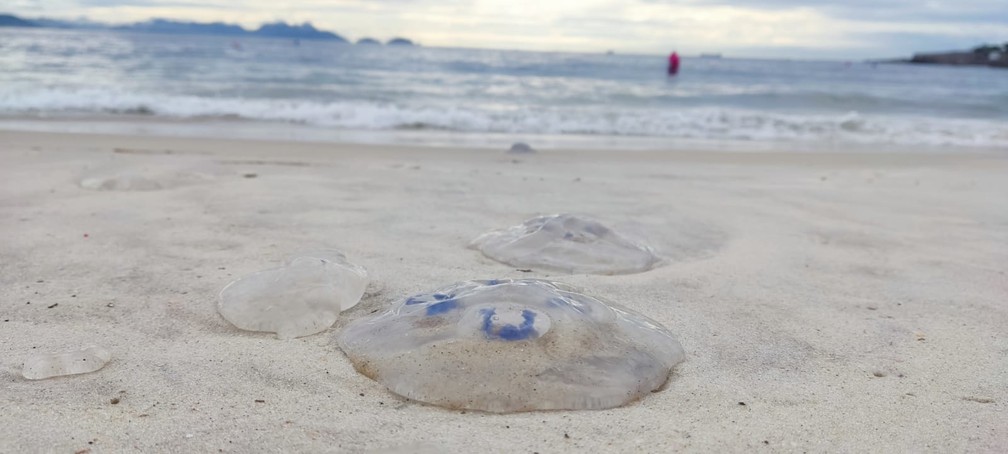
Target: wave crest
<point>689,123</point>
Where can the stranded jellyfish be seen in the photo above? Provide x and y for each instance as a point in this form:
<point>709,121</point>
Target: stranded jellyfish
<point>568,243</point>
<point>521,147</point>
<point>82,361</point>
<point>512,345</point>
<point>155,175</point>
<point>121,182</point>
<point>303,297</point>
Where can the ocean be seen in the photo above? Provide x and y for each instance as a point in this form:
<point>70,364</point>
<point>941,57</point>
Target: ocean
<point>316,90</point>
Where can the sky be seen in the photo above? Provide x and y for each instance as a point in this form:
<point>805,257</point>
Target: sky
<point>832,29</point>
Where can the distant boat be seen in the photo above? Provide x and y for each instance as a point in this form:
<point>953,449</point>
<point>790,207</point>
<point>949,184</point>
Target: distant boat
<point>710,55</point>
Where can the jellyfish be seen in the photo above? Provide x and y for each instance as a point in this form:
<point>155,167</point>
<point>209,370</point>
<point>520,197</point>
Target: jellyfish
<point>568,243</point>
<point>156,174</point>
<point>121,182</point>
<point>521,147</point>
<point>303,297</point>
<point>88,359</point>
<point>510,346</point>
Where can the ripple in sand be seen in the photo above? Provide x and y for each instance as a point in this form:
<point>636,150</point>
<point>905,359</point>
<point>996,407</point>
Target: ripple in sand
<point>303,297</point>
<point>82,361</point>
<point>512,345</point>
<point>568,243</point>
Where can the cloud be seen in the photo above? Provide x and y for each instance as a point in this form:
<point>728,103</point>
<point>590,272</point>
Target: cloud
<point>987,11</point>
<point>836,28</point>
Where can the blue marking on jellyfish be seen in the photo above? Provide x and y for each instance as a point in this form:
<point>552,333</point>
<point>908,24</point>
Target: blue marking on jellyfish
<point>493,282</point>
<point>441,296</point>
<point>414,300</point>
<point>509,332</point>
<point>442,307</point>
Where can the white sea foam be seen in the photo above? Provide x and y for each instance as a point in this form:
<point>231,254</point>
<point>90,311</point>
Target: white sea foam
<point>697,123</point>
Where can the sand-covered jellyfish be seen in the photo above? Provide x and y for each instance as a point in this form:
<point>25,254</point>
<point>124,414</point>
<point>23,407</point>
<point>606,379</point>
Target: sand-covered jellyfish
<point>512,345</point>
<point>152,175</point>
<point>303,297</point>
<point>85,360</point>
<point>569,243</point>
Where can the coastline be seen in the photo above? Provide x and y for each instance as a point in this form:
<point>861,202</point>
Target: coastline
<point>826,300</point>
<point>230,128</point>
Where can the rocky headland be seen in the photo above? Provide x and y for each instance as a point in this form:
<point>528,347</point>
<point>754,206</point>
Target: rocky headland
<point>986,55</point>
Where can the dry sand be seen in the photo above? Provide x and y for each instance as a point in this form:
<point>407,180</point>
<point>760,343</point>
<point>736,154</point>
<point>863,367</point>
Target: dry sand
<point>826,301</point>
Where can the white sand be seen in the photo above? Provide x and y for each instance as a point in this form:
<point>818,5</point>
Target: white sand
<point>852,302</point>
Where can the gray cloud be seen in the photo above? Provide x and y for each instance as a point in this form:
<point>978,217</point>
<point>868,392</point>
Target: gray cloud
<point>858,28</point>
<point>114,3</point>
<point>902,11</point>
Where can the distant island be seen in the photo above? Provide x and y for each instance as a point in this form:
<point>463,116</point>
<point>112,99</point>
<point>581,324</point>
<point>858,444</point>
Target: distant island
<point>986,55</point>
<point>7,20</point>
<point>305,31</point>
<point>400,42</point>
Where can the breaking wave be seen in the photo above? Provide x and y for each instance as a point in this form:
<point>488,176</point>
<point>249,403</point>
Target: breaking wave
<point>701,122</point>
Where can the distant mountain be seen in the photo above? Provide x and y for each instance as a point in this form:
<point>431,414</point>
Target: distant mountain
<point>8,20</point>
<point>174,27</point>
<point>76,24</point>
<point>368,41</point>
<point>183,28</point>
<point>303,31</point>
<point>400,42</point>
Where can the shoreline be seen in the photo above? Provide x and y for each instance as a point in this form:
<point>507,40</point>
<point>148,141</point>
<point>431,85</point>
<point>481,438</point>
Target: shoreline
<point>827,300</point>
<point>228,147</point>
<point>223,128</point>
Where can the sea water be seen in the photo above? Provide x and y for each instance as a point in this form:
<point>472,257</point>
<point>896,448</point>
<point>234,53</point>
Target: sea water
<point>340,91</point>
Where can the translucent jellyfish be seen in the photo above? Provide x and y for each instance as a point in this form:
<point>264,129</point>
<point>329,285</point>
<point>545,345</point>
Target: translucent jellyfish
<point>157,174</point>
<point>568,243</point>
<point>303,297</point>
<point>512,345</point>
<point>122,182</point>
<point>82,361</point>
<point>521,147</point>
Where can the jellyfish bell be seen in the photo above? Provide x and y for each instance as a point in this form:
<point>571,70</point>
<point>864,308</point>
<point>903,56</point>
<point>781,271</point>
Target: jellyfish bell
<point>303,297</point>
<point>521,147</point>
<point>85,360</point>
<point>152,175</point>
<point>569,243</point>
<point>512,345</point>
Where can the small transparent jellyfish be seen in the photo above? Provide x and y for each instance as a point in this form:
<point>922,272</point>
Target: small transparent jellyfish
<point>568,243</point>
<point>303,297</point>
<point>122,182</point>
<point>157,174</point>
<point>521,147</point>
<point>82,361</point>
<point>512,345</point>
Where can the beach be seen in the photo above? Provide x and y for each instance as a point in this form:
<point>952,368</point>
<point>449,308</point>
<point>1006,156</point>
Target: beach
<point>826,301</point>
